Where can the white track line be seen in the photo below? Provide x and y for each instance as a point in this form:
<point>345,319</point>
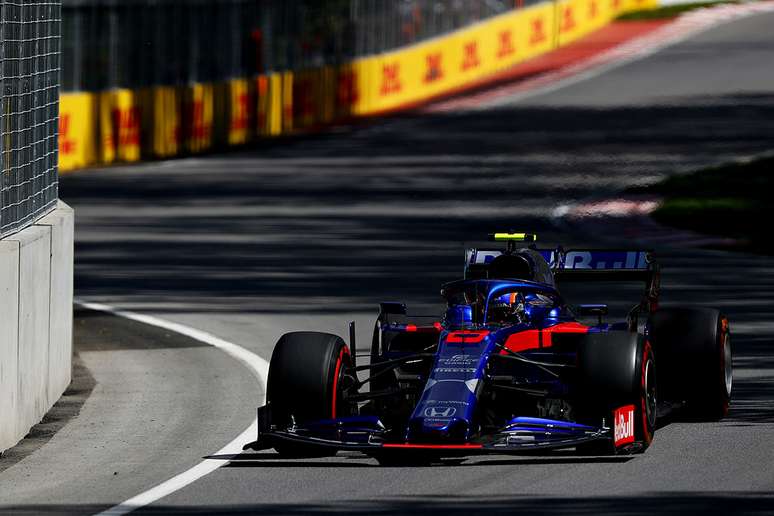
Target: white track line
<point>257,365</point>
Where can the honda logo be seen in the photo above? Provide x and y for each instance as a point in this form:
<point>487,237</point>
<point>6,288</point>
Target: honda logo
<point>440,411</point>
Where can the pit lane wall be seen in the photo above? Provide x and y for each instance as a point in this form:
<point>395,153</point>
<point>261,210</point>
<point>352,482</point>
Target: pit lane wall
<point>125,125</point>
<point>36,299</point>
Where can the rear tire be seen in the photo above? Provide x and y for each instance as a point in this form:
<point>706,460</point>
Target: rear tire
<point>694,348</point>
<point>307,374</point>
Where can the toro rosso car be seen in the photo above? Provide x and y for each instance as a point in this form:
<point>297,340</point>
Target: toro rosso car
<point>508,368</point>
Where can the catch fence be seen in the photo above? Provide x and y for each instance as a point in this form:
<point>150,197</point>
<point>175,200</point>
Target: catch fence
<point>138,43</point>
<point>29,81</point>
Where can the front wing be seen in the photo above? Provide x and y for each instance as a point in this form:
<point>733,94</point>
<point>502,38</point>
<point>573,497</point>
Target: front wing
<point>366,434</point>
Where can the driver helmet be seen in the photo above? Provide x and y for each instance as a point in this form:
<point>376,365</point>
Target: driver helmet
<point>510,307</point>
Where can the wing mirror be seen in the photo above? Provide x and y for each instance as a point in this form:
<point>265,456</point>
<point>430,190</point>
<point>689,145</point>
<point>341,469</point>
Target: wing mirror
<point>592,310</point>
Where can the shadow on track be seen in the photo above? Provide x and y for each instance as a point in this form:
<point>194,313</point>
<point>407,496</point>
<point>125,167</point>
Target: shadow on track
<point>657,503</point>
<point>273,460</point>
<point>336,222</point>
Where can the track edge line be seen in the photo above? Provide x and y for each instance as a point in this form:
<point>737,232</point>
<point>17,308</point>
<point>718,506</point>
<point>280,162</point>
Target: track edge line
<point>258,366</point>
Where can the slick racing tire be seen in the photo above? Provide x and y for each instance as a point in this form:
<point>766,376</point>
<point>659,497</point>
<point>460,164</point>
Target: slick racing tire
<point>307,375</point>
<point>693,347</point>
<point>617,382</point>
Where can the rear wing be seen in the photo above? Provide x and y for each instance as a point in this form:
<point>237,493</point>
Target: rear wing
<point>586,265</point>
<point>600,264</point>
<point>601,260</point>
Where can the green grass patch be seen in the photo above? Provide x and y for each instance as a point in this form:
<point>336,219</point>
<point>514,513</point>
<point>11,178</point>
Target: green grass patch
<point>731,200</point>
<point>669,11</point>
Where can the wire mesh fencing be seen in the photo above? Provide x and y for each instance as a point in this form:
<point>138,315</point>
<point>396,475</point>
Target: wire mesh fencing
<point>381,25</point>
<point>136,43</point>
<point>29,81</point>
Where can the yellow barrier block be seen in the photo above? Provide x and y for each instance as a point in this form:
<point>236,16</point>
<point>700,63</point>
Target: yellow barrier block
<point>77,130</point>
<point>197,117</point>
<point>275,104</point>
<point>363,77</point>
<point>269,104</point>
<point>119,125</point>
<point>287,102</point>
<point>240,109</point>
<point>166,121</point>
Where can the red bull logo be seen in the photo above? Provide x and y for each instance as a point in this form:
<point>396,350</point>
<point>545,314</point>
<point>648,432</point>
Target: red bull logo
<point>623,425</point>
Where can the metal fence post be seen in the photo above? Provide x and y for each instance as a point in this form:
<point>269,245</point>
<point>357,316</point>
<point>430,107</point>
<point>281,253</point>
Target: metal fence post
<point>2,112</point>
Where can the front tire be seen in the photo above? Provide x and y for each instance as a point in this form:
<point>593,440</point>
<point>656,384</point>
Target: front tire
<point>308,374</point>
<point>618,370</point>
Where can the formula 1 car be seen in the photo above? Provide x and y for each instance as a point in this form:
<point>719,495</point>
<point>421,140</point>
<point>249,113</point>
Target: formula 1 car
<point>507,369</point>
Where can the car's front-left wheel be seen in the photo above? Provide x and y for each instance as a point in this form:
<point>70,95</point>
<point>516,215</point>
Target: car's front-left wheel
<point>308,374</point>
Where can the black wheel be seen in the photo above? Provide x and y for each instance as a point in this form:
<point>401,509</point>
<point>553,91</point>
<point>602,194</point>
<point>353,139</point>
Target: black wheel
<point>617,381</point>
<point>693,347</point>
<point>307,374</point>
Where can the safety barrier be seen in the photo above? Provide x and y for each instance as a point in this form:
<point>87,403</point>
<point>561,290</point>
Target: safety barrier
<point>166,121</point>
<point>36,279</point>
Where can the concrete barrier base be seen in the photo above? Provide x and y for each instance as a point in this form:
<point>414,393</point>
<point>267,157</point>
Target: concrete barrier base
<point>36,307</point>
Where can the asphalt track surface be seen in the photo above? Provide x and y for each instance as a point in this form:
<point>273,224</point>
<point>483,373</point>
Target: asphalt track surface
<point>311,234</point>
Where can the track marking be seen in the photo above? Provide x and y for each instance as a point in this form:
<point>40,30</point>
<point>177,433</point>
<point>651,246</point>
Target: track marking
<point>612,207</point>
<point>257,365</point>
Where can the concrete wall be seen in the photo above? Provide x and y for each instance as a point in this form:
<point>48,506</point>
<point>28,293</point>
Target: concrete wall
<point>36,299</point>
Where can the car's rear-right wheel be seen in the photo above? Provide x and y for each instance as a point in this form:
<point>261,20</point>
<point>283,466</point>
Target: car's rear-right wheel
<point>693,346</point>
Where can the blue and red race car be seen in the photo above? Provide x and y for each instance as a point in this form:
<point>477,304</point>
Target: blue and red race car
<point>509,368</point>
